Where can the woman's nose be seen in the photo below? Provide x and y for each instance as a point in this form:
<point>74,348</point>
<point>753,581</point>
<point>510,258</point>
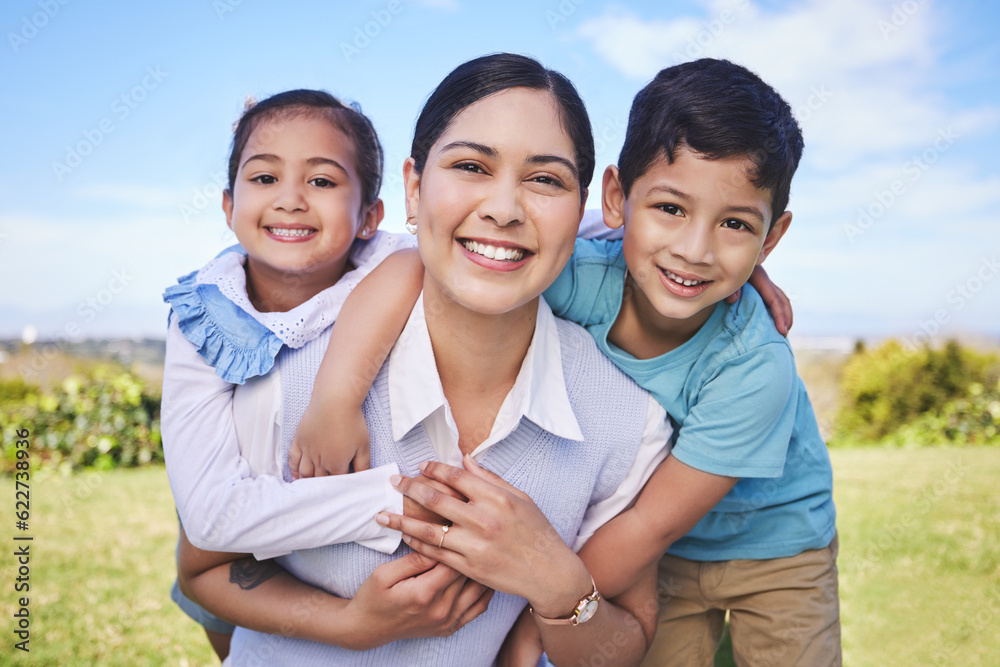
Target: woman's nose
<point>502,203</point>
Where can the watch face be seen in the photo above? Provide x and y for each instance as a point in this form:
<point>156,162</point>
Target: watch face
<point>587,612</point>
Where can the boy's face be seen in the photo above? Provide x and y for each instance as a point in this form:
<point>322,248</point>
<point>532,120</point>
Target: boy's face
<point>694,230</point>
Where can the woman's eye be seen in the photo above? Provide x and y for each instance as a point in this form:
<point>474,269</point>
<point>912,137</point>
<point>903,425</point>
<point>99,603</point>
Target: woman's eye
<point>470,167</point>
<point>264,179</point>
<point>670,209</point>
<point>548,180</point>
<point>323,182</point>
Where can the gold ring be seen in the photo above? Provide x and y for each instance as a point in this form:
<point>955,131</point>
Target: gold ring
<point>444,533</point>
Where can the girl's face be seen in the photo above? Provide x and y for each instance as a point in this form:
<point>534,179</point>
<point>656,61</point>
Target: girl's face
<point>296,202</point>
<point>498,203</point>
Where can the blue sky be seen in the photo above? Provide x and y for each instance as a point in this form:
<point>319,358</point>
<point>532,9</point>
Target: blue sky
<point>117,119</point>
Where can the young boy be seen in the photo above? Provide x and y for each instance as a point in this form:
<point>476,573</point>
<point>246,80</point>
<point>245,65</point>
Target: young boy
<point>701,190</point>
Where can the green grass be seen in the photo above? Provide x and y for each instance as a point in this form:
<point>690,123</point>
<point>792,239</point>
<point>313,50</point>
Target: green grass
<point>101,569</point>
<point>919,564</point>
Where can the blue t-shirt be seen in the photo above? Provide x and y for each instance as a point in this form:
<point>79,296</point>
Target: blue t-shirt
<point>741,407</point>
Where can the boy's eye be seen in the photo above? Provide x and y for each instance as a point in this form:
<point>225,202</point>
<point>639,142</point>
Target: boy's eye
<point>670,209</point>
<point>732,223</point>
<point>264,179</point>
<point>321,182</point>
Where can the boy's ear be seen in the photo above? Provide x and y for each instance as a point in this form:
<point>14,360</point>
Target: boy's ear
<point>778,230</point>
<point>613,198</point>
<point>227,206</point>
<point>411,186</point>
<point>373,216</point>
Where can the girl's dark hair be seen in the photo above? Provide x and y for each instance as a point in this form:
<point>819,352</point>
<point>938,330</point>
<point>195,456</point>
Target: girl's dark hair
<point>719,110</point>
<point>472,81</point>
<point>348,119</point>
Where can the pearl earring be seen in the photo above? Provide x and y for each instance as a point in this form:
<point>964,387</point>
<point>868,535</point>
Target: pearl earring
<point>411,226</point>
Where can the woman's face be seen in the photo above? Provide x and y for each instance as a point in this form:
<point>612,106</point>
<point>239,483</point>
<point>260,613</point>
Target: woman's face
<point>498,203</point>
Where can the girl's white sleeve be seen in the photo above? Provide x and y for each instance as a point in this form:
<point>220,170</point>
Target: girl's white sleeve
<point>223,508</point>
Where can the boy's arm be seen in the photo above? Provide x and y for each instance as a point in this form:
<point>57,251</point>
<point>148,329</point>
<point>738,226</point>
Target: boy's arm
<point>674,499</point>
<point>332,434</point>
<point>408,597</point>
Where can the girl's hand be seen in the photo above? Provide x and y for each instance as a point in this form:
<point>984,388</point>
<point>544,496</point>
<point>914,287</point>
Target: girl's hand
<point>523,645</point>
<point>499,537</point>
<point>414,597</point>
<point>331,440</point>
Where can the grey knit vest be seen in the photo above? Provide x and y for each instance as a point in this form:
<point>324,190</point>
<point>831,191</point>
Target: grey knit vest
<point>563,477</point>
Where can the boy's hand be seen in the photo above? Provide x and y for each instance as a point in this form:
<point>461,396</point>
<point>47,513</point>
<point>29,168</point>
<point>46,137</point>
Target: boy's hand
<point>330,440</point>
<point>777,302</point>
<point>523,645</point>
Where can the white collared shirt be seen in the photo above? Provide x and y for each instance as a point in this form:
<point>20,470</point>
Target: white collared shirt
<point>539,394</point>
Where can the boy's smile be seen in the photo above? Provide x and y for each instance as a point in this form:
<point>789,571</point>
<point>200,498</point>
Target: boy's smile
<point>694,230</point>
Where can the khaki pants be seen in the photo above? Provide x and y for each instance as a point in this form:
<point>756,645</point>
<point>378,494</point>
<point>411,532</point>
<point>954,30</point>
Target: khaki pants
<point>783,611</point>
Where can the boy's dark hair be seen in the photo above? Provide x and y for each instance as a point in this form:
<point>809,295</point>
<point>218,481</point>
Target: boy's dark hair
<point>348,119</point>
<point>719,110</point>
<point>473,80</point>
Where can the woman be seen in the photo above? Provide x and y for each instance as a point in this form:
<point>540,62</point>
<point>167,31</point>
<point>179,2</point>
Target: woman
<point>501,157</point>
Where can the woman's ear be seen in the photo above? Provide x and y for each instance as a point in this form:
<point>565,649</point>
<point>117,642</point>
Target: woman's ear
<point>227,206</point>
<point>613,198</point>
<point>411,186</point>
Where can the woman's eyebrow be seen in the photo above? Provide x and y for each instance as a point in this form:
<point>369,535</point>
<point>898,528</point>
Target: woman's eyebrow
<point>547,159</point>
<point>479,148</point>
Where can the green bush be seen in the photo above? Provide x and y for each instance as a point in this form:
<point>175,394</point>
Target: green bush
<point>896,395</point>
<point>102,419</point>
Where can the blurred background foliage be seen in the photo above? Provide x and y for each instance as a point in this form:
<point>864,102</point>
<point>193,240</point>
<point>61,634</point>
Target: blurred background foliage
<point>107,415</point>
<point>899,396</point>
<point>101,418</point>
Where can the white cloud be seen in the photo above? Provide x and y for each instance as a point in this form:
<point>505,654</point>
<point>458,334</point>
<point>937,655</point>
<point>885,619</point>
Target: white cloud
<point>858,88</point>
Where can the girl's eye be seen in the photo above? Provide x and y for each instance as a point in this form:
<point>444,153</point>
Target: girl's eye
<point>670,209</point>
<point>264,179</point>
<point>321,182</point>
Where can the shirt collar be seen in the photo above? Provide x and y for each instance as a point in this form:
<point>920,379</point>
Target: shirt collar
<point>539,392</point>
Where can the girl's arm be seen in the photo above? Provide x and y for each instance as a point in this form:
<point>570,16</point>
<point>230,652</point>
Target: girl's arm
<point>221,506</point>
<point>674,499</point>
<point>332,437</point>
<point>408,597</point>
<point>501,538</point>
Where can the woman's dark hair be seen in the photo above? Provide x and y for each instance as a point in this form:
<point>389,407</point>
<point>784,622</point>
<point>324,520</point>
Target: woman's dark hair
<point>719,110</point>
<point>472,81</point>
<point>348,119</point>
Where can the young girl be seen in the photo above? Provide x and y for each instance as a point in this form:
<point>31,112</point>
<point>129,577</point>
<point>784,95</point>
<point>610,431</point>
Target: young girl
<point>304,177</point>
